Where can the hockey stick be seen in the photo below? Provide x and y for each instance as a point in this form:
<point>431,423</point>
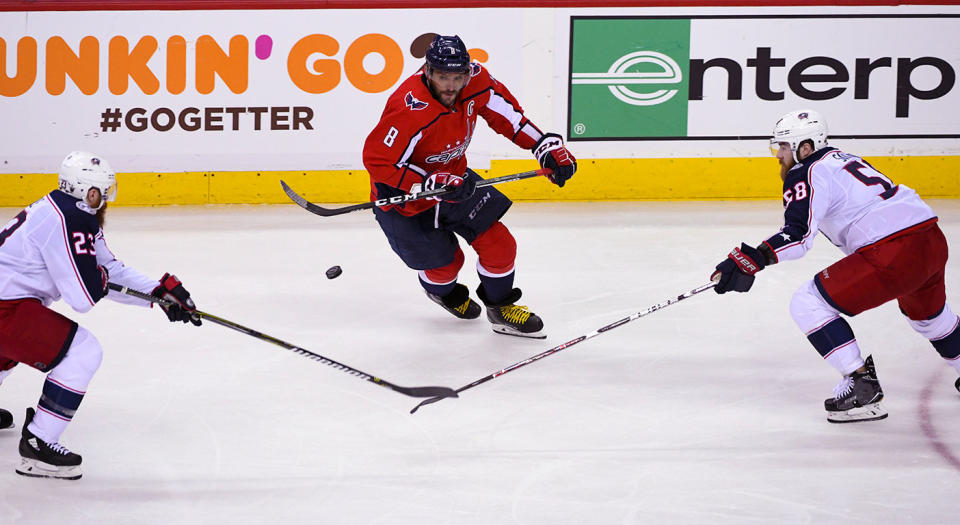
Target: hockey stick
<point>399,199</point>
<point>439,392</point>
<point>572,342</point>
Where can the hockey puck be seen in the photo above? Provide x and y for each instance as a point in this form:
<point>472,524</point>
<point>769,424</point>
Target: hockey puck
<point>333,272</point>
<point>6,419</point>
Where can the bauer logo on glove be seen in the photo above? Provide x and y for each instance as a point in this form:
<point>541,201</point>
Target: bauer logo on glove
<point>736,272</point>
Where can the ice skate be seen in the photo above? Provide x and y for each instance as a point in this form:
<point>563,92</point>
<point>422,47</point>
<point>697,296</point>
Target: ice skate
<point>957,384</point>
<point>856,398</point>
<point>511,319</point>
<point>46,460</point>
<point>6,419</point>
<point>457,302</point>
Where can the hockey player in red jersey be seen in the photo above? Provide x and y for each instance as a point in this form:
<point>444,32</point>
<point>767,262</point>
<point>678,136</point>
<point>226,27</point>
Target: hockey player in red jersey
<point>421,142</point>
<point>894,250</point>
<point>55,249</point>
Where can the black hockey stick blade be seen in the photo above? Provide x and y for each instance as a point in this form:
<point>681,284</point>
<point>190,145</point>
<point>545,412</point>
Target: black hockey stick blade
<point>431,400</point>
<point>309,206</point>
<point>399,199</point>
<point>435,393</point>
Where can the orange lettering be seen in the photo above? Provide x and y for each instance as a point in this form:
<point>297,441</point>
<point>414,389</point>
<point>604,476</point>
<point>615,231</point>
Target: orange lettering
<point>325,73</point>
<point>176,64</point>
<point>26,67</point>
<point>232,67</point>
<point>83,68</point>
<point>363,46</point>
<point>124,63</point>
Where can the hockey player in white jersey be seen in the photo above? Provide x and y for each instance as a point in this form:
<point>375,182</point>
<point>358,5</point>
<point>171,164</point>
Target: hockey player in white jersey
<point>55,249</point>
<point>894,250</point>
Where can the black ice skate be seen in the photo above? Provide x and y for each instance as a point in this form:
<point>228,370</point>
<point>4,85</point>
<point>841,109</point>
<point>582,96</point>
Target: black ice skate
<point>6,419</point>
<point>46,460</point>
<point>510,319</point>
<point>457,302</point>
<point>856,398</point>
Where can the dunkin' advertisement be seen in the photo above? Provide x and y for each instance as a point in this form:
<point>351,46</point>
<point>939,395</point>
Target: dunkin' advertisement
<point>212,90</point>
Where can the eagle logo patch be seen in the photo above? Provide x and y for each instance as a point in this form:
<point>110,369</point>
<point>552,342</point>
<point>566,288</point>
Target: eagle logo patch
<point>413,103</point>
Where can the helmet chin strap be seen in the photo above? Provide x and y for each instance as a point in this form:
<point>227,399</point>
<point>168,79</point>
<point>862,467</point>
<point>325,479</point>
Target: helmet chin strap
<point>82,204</point>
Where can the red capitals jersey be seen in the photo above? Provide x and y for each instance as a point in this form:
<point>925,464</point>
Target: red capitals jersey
<point>417,135</point>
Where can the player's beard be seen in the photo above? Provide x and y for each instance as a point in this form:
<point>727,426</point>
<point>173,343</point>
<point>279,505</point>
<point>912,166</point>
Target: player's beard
<point>102,215</point>
<point>785,167</point>
<point>440,95</point>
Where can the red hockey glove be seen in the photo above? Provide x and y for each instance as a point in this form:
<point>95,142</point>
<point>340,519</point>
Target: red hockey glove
<point>171,289</point>
<point>553,155</point>
<point>736,272</point>
<point>463,187</point>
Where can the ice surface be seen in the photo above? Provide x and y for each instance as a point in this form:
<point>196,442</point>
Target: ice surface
<point>709,411</point>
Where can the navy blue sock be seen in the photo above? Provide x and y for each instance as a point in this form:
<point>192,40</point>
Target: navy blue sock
<point>834,334</point>
<point>60,400</point>
<point>949,346</point>
<point>497,288</point>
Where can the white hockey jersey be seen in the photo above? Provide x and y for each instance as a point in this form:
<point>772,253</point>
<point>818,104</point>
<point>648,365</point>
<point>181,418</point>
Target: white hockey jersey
<point>848,200</point>
<point>52,249</point>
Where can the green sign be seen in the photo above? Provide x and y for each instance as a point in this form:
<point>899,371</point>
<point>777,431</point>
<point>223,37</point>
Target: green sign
<point>628,78</point>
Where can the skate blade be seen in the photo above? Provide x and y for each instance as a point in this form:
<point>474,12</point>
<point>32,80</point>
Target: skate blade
<point>38,469</point>
<point>871,412</point>
<point>506,330</point>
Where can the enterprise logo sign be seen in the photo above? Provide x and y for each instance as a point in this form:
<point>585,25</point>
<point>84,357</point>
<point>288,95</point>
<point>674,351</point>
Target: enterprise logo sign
<point>622,79</point>
<point>635,78</point>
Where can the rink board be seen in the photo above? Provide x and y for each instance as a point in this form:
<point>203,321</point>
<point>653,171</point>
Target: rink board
<point>596,180</point>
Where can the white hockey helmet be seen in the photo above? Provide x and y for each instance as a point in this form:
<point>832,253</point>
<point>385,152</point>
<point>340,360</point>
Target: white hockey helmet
<point>798,126</point>
<point>82,170</point>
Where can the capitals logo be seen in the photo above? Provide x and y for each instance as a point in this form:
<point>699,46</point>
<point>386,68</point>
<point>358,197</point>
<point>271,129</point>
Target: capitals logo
<point>452,153</point>
<point>413,103</point>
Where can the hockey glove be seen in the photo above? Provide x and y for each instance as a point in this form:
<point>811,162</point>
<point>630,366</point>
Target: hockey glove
<point>104,279</point>
<point>736,272</point>
<point>182,307</point>
<point>553,155</point>
<point>463,187</point>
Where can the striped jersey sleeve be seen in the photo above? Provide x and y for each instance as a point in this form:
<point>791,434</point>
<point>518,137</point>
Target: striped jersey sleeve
<point>806,199</point>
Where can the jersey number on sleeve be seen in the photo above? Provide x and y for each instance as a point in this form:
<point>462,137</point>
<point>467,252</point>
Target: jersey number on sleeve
<point>17,222</point>
<point>391,136</point>
<point>855,169</point>
<point>83,244</point>
<point>798,194</point>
